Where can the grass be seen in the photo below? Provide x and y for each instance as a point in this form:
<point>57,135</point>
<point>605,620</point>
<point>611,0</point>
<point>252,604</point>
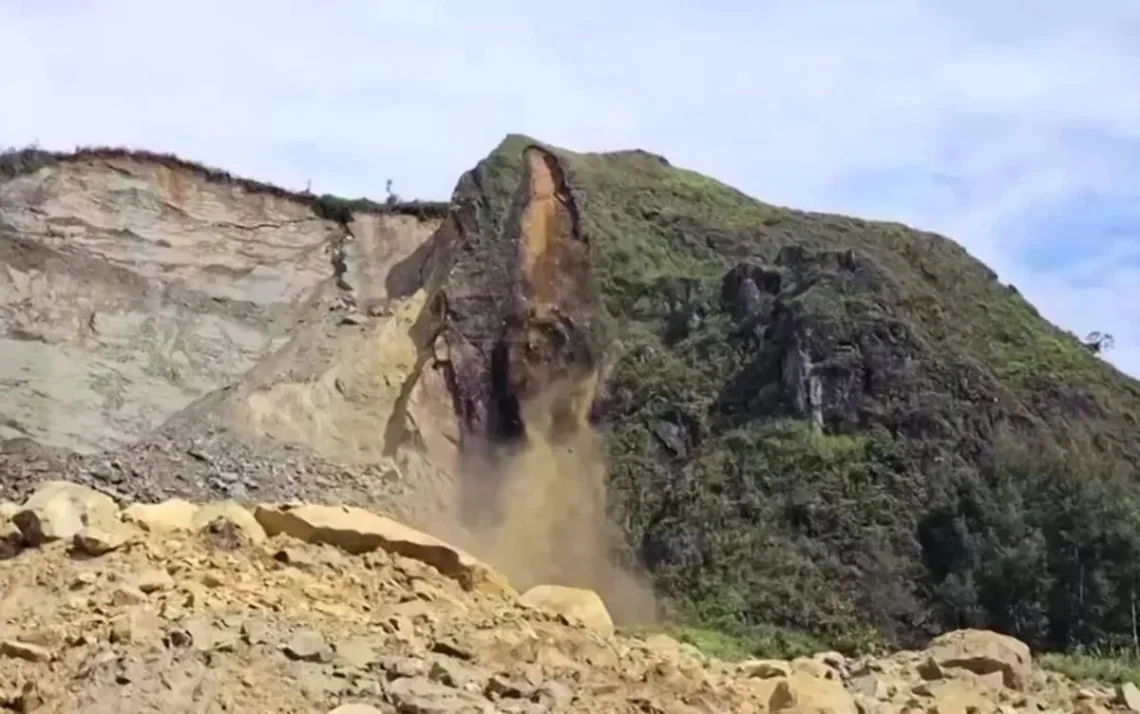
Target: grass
<point>18,162</point>
<point>1101,668</point>
<point>761,643</point>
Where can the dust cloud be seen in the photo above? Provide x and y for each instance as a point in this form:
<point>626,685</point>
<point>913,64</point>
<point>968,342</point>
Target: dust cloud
<point>537,510</point>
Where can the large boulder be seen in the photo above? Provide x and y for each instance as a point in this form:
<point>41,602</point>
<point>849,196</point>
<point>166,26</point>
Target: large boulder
<point>801,693</point>
<point>60,509</point>
<point>356,530</point>
<point>585,606</point>
<point>174,514</point>
<point>230,513</point>
<point>984,652</point>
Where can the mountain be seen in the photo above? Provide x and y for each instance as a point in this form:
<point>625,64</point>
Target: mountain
<point>815,421</point>
<point>584,363</point>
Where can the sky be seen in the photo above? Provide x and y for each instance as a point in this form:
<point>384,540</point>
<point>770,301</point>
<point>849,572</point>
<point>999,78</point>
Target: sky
<point>1013,127</point>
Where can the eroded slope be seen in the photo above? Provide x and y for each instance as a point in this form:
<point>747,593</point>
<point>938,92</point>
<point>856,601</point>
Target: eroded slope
<point>186,331</point>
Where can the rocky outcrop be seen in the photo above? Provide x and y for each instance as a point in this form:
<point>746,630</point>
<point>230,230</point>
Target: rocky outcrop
<point>187,615</point>
<point>516,309</point>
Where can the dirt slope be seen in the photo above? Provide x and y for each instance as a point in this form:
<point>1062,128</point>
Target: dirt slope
<point>214,608</point>
<point>158,318</point>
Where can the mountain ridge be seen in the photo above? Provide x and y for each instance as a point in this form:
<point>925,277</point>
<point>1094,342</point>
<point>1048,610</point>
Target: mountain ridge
<point>876,425</point>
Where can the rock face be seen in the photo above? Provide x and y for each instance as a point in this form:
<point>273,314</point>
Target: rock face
<point>518,297</point>
<point>178,619</point>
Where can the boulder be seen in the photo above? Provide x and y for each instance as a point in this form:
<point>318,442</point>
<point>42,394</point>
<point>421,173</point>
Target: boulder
<point>356,530</point>
<point>578,604</point>
<point>801,693</point>
<point>102,539</point>
<point>11,539</point>
<point>984,652</point>
<point>232,513</point>
<point>60,509</point>
<point>174,514</point>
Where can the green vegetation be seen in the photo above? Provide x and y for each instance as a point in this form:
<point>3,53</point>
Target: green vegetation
<point>17,162</point>
<point>846,428</point>
<point>1101,668</point>
<point>761,643</point>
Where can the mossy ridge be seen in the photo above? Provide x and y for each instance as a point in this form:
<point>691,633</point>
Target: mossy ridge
<point>830,533</point>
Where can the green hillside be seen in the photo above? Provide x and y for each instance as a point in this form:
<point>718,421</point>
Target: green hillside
<point>846,427</point>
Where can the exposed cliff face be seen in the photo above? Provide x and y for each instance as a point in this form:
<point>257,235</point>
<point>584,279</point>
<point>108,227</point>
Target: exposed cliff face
<point>174,316</point>
<point>131,289</point>
<point>516,306</point>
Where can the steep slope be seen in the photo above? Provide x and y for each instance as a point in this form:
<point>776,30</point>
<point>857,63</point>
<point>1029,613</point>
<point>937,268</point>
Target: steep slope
<point>812,420</point>
<point>158,319</point>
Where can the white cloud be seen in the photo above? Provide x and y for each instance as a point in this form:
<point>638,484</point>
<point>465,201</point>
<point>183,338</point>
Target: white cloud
<point>996,111</point>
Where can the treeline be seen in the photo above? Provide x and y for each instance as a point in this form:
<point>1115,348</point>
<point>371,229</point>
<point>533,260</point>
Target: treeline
<point>1042,543</point>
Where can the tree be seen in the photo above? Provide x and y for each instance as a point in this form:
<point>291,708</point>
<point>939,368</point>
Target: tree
<point>1099,342</point>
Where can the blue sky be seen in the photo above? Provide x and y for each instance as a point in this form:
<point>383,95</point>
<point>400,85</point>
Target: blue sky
<point>1013,127</point>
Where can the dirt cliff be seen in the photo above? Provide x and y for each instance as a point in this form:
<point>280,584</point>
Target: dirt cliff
<point>171,329</point>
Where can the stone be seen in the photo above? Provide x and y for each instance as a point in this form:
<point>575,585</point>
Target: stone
<point>11,540</point>
<point>954,696</point>
<point>356,531</point>
<point>764,668</point>
<point>154,580</point>
<point>1128,694</point>
<point>984,652</point>
<point>802,693</point>
<point>356,709</point>
<point>58,510</point>
<point>133,626</point>
<point>580,604</point>
<point>99,540</point>
<point>127,595</point>
<point>25,651</point>
<point>308,646</point>
<point>230,512</point>
<point>171,515</point>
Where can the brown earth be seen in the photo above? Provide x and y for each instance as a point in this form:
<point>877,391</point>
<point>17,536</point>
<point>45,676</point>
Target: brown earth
<point>215,608</point>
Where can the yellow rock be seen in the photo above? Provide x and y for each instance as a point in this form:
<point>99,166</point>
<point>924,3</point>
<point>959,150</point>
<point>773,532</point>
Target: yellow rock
<point>955,696</point>
<point>11,539</point>
<point>172,515</point>
<point>7,510</point>
<point>576,603</point>
<point>802,693</point>
<point>356,530</point>
<point>983,652</point>
<point>102,539</point>
<point>228,511</point>
<point>60,509</point>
